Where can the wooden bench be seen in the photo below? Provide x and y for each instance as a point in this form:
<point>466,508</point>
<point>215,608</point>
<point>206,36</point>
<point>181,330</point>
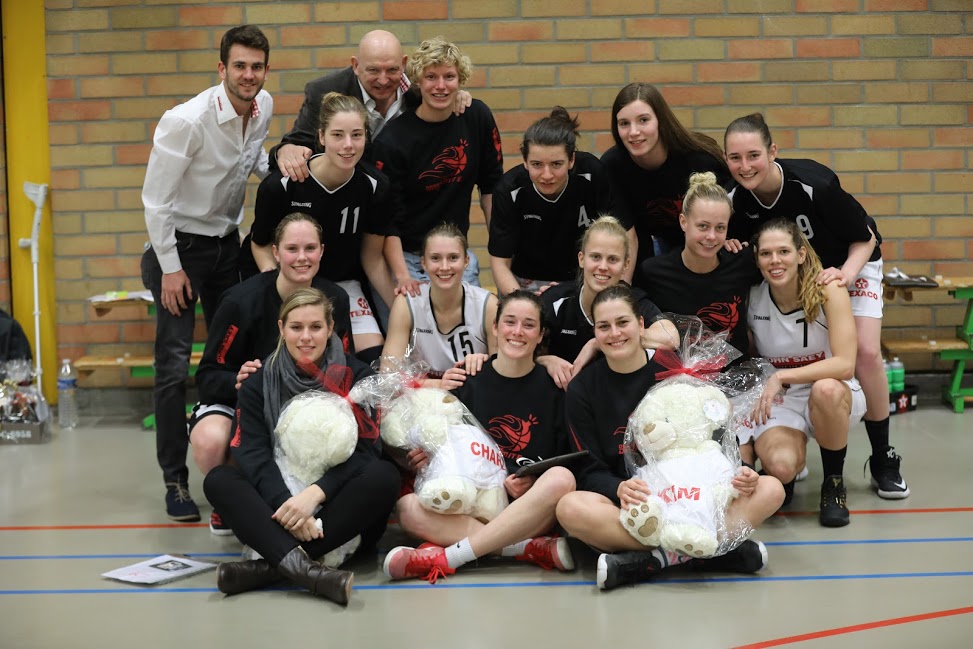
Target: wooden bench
<point>958,349</point>
<point>919,346</point>
<point>139,366</point>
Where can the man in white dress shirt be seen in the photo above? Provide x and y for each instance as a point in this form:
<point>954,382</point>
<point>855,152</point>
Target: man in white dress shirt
<point>202,154</point>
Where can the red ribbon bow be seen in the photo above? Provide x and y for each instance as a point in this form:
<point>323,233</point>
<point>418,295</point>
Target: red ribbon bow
<point>674,367</point>
<point>338,380</point>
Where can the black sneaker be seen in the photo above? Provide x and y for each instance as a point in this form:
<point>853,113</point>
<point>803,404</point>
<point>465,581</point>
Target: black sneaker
<point>886,479</point>
<point>620,568</point>
<point>834,510</point>
<point>179,504</point>
<point>747,558</point>
<point>789,492</point>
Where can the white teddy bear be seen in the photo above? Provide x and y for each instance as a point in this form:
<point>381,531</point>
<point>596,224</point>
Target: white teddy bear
<point>686,470</point>
<point>316,431</point>
<point>466,469</point>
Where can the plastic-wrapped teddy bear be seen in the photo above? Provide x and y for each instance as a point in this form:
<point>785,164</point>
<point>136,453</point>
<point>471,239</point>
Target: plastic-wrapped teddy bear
<point>688,473</point>
<point>466,469</point>
<point>316,431</point>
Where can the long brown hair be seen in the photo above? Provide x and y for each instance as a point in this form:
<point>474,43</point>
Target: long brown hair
<point>674,136</point>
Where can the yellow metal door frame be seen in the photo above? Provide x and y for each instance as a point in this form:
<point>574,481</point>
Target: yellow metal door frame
<point>28,159</point>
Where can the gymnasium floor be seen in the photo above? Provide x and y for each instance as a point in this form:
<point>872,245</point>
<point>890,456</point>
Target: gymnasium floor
<point>901,575</point>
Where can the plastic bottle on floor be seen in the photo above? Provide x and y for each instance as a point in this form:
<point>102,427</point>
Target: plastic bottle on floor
<point>67,395</point>
<point>897,370</point>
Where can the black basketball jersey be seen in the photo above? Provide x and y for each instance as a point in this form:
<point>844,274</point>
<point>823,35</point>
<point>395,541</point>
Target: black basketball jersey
<point>812,197</point>
<point>541,234</point>
<point>568,328</point>
<point>345,214</point>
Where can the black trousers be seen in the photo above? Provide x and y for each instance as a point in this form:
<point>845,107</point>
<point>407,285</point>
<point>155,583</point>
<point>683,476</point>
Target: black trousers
<point>211,265</point>
<point>361,507</point>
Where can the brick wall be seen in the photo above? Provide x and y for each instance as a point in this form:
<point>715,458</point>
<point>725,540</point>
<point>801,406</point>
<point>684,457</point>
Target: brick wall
<point>877,89</point>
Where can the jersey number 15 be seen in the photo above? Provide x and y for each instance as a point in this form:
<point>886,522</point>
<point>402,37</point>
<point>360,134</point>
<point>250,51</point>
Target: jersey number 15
<point>461,345</point>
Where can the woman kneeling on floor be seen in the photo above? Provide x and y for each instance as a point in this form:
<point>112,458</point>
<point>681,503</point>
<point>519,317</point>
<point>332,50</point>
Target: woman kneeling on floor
<point>355,497</point>
<point>599,402</point>
<point>523,411</point>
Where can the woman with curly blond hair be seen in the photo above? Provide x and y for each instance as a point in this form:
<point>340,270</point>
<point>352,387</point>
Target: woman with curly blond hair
<point>433,158</point>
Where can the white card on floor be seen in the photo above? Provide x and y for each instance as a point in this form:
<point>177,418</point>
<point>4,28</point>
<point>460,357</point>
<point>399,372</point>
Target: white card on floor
<point>160,570</point>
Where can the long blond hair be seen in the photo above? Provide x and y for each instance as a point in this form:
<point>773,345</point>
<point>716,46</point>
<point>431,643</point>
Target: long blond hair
<point>810,294</point>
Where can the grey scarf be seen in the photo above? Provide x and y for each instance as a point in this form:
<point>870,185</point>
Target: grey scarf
<point>283,380</point>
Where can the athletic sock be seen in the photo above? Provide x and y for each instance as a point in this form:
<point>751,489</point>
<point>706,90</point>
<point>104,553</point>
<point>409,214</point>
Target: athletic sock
<point>460,553</point>
<point>833,462</point>
<point>515,549</point>
<point>878,436</point>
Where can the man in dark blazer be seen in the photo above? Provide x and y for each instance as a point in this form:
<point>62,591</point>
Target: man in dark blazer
<point>376,77</point>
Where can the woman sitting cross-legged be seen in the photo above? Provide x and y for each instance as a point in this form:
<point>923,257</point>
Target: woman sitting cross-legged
<point>351,499</point>
<point>599,402</point>
<point>522,410</point>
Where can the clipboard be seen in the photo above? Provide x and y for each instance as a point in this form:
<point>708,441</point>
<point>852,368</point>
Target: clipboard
<point>538,468</point>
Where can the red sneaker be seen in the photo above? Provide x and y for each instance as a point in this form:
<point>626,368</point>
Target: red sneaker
<point>427,562</point>
<point>217,526</point>
<point>549,552</point>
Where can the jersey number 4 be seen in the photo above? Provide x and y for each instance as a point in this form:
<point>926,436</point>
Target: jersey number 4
<point>583,220</point>
<point>344,221</point>
<point>461,345</point>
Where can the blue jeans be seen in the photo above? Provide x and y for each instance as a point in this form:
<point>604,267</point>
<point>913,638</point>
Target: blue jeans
<point>414,263</point>
<point>211,264</point>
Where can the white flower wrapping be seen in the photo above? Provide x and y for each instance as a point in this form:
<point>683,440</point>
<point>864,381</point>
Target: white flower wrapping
<point>466,470</point>
<point>315,432</point>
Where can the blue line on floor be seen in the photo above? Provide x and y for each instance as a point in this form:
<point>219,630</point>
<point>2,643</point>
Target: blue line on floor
<point>955,539</point>
<point>25,557</point>
<point>512,584</point>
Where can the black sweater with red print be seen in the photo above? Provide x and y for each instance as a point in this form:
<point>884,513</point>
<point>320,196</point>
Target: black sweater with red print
<point>718,297</point>
<point>524,416</point>
<point>432,167</point>
<point>244,328</point>
<point>599,402</point>
<point>651,200</point>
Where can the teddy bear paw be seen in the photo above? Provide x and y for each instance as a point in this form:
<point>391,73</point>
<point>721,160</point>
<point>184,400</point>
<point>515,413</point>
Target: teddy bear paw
<point>643,522</point>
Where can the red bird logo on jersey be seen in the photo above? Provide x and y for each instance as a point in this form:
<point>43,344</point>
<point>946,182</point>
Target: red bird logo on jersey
<point>721,316</point>
<point>861,283</point>
<point>448,164</point>
<point>496,144</point>
<point>663,211</point>
<point>511,433</point>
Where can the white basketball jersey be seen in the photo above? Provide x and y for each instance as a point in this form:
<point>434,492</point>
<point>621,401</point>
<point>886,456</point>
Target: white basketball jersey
<point>786,339</point>
<point>442,350</point>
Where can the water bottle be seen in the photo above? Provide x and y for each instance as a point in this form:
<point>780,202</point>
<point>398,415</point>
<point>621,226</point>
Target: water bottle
<point>888,374</point>
<point>67,397</point>
<point>897,370</point>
